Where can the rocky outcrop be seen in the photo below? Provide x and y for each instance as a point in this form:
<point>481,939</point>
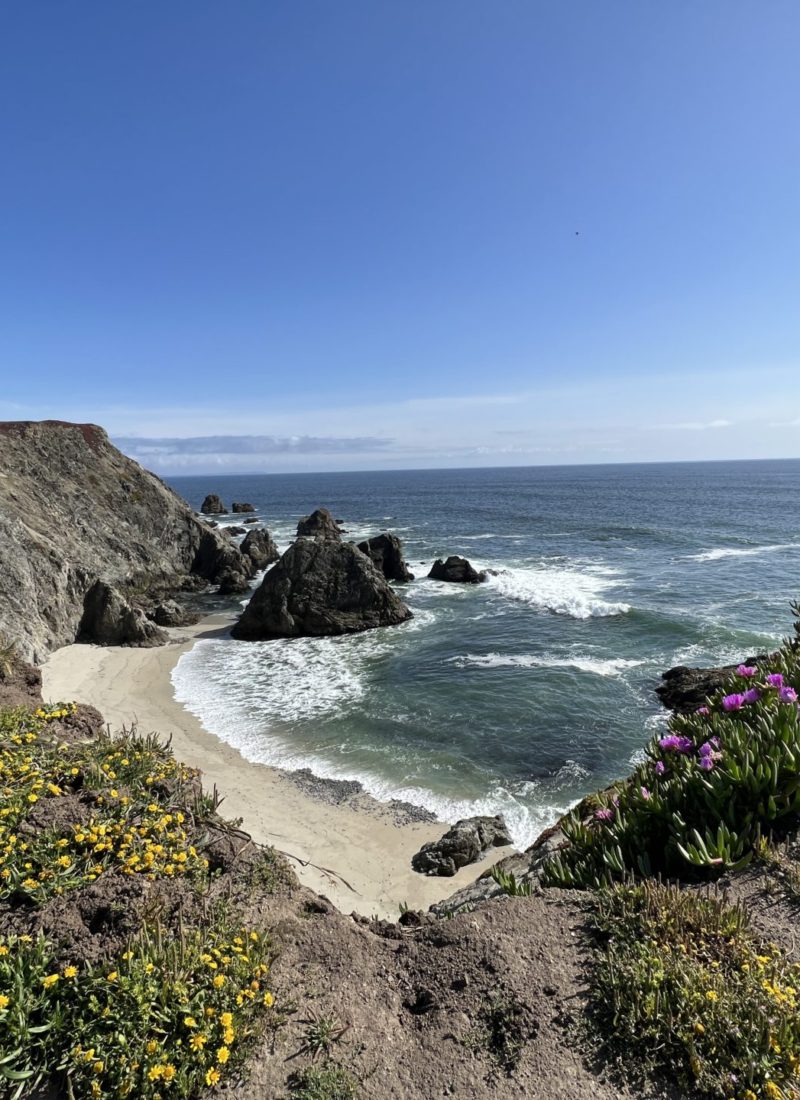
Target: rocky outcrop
<point>253,520</point>
<point>238,506</point>
<point>213,506</point>
<point>320,586</point>
<point>685,689</point>
<point>319,525</point>
<point>467,842</point>
<point>170,613</point>
<point>233,532</point>
<point>457,570</point>
<point>75,513</point>
<point>386,554</point>
<point>108,619</point>
<point>260,548</point>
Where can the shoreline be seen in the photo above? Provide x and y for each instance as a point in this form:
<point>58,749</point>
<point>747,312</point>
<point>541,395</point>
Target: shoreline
<point>340,841</point>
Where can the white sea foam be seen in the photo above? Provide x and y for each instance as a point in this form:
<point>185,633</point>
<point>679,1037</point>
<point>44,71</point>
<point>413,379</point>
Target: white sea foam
<point>721,552</point>
<point>563,591</point>
<point>612,666</point>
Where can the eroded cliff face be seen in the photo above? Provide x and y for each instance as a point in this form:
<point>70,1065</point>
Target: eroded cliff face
<point>75,513</point>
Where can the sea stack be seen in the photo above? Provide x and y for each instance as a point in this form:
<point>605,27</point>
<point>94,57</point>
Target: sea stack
<point>320,586</point>
<point>319,525</point>
<point>456,570</point>
<point>386,554</point>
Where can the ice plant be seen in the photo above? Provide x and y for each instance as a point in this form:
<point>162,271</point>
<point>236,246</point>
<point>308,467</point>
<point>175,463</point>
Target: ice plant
<point>747,671</point>
<point>733,702</point>
<point>775,679</point>
<point>752,695</point>
<point>787,695</point>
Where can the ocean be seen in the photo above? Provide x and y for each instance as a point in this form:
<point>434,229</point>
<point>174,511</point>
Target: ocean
<point>521,695</point>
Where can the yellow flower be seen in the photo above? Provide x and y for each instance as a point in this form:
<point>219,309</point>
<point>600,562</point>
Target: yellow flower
<point>223,1054</point>
<point>70,971</point>
<point>228,1035</point>
<point>98,1067</point>
<point>51,979</point>
<point>169,1072</point>
<point>197,1042</point>
<point>112,977</point>
<point>3,950</point>
<point>189,1021</point>
<point>268,999</point>
<point>152,1047</point>
<point>212,1077</point>
<point>226,1019</point>
<point>712,995</point>
<point>219,981</point>
<point>4,1002</point>
<point>699,1029</point>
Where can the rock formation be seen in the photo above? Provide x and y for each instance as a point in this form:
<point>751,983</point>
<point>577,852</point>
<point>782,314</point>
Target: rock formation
<point>232,532</point>
<point>259,547</point>
<point>320,524</point>
<point>88,538</point>
<point>253,520</point>
<point>238,506</point>
<point>170,613</point>
<point>457,570</point>
<point>466,842</point>
<point>386,554</point>
<point>685,689</point>
<point>320,586</point>
<point>213,506</point>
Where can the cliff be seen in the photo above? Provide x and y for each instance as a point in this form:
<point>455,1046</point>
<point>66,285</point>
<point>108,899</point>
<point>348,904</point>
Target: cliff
<point>87,537</point>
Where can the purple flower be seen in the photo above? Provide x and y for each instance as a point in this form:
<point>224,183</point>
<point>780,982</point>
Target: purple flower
<point>673,742</point>
<point>775,679</point>
<point>644,793</point>
<point>788,695</point>
<point>747,671</point>
<point>752,696</point>
<point>660,767</point>
<point>732,702</point>
<point>706,749</point>
<point>604,815</point>
<point>715,742</point>
<point>706,763</point>
<point>702,710</point>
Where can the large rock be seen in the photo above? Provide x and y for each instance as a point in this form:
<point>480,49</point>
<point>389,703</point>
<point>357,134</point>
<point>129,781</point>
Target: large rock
<point>170,613</point>
<point>109,619</point>
<point>213,506</point>
<point>320,586</point>
<point>466,842</point>
<point>259,547</point>
<point>386,554</point>
<point>239,506</point>
<point>685,689</point>
<point>75,511</point>
<point>457,570</point>
<point>320,525</point>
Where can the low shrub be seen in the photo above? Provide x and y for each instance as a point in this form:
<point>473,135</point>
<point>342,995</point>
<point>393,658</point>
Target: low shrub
<point>705,792</point>
<point>682,987</point>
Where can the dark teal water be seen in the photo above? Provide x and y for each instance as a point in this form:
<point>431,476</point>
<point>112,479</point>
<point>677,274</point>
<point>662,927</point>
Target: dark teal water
<point>523,694</point>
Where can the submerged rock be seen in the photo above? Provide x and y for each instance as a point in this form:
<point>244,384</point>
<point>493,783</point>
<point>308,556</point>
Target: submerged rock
<point>455,569</point>
<point>213,506</point>
<point>238,506</point>
<point>319,587</point>
<point>466,842</point>
<point>386,554</point>
<point>260,548</point>
<point>320,525</point>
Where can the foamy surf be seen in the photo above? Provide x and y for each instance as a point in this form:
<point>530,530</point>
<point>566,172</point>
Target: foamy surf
<point>573,592</point>
<point>612,666</point>
<point>719,553</point>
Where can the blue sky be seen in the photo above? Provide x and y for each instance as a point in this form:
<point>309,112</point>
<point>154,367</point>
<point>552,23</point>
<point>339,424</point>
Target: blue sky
<point>299,235</point>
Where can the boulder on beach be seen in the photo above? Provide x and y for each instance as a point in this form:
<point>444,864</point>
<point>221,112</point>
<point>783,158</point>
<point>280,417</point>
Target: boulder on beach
<point>260,548</point>
<point>319,525</point>
<point>239,506</point>
<point>319,587</point>
<point>213,506</point>
<point>467,841</point>
<point>386,554</point>
<point>455,569</point>
<point>170,613</point>
<point>108,619</point>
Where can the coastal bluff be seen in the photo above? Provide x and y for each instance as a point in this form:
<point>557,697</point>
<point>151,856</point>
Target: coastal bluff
<point>88,539</point>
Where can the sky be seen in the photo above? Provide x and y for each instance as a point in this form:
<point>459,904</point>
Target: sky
<point>276,235</point>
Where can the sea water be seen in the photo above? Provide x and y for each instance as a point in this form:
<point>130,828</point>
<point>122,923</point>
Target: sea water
<point>520,695</point>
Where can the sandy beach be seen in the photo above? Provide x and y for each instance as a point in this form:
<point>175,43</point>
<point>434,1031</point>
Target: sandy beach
<point>357,853</point>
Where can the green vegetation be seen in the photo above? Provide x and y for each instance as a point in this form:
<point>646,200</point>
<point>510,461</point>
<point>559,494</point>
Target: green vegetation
<point>176,1007</point>
<point>707,790</point>
<point>507,881</point>
<point>681,985</point>
<point>502,1031</point>
<point>330,1083</point>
